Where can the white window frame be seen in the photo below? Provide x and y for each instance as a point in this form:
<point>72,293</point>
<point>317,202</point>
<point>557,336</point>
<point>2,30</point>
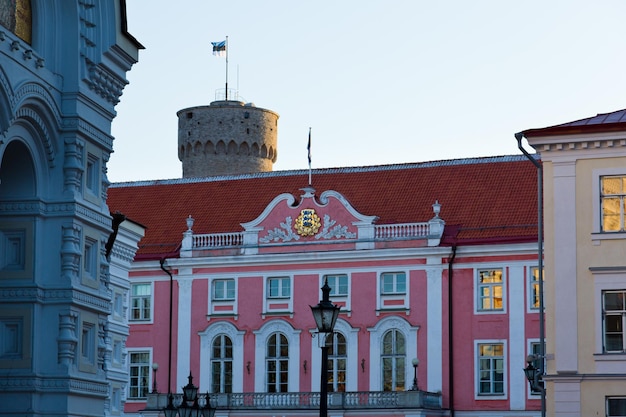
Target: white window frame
<point>531,284</point>
<point>130,304</point>
<point>394,275</point>
<point>611,279</point>
<point>620,398</point>
<point>490,396</point>
<point>22,319</point>
<point>376,336</point>
<point>333,279</point>
<point>531,351</point>
<point>281,280</point>
<point>131,351</point>
<point>16,249</point>
<point>621,313</point>
<point>478,285</point>
<point>206,344</point>
<point>597,233</point>
<point>260,343</point>
<point>225,290</point>
<point>621,197</point>
<point>395,299</point>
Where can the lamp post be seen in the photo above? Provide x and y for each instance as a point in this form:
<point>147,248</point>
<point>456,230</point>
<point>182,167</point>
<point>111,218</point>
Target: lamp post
<point>325,314</point>
<point>415,362</point>
<point>189,407</point>
<point>533,375</point>
<point>155,368</point>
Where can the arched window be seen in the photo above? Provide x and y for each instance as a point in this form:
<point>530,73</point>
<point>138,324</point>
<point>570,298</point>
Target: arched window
<point>222,364</point>
<point>277,363</point>
<point>393,361</point>
<point>337,360</point>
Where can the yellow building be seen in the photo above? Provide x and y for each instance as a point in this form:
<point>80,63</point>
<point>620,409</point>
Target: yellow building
<point>584,183</point>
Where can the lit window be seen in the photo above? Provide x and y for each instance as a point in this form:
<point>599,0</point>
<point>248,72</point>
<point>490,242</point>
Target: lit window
<point>612,193</point>
<point>338,284</point>
<point>490,290</point>
<point>490,369</point>
<point>277,362</point>
<point>616,406</point>
<point>534,288</point>
<point>140,301</point>
<point>139,375</point>
<point>222,365</point>
<point>393,361</point>
<point>224,289</point>
<point>279,287</point>
<point>337,359</point>
<point>614,314</point>
<point>393,283</point>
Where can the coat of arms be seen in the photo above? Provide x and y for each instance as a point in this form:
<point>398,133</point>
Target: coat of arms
<point>307,223</point>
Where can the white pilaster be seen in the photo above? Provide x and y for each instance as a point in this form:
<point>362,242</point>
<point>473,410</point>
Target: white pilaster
<point>434,329</point>
<point>184,327</point>
<point>565,306</point>
<point>517,337</point>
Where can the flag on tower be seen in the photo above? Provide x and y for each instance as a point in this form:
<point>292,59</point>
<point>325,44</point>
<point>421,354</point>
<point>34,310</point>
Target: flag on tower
<point>219,48</point>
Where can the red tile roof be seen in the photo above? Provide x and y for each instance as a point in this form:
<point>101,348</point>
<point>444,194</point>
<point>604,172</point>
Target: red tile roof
<point>487,199</point>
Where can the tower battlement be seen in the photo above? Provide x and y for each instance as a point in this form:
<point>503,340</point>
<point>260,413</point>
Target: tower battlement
<point>226,138</point>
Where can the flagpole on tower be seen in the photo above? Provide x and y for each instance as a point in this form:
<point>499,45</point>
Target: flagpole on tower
<point>226,68</point>
<point>308,147</point>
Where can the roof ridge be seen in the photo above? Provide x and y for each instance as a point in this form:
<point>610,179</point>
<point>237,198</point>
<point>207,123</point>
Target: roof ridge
<point>337,170</point>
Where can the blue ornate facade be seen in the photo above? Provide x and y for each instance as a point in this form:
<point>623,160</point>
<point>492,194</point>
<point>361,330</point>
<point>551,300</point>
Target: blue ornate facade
<point>63,67</point>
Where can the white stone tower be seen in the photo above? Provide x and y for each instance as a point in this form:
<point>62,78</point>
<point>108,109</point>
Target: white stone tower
<point>225,138</point>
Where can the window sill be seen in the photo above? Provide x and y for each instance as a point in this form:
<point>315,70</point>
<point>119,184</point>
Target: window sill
<point>609,356</point>
<point>607,236</point>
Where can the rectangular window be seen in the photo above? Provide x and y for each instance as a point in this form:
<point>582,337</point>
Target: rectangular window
<point>612,192</point>
<point>614,315</point>
<point>88,343</point>
<point>338,284</point>
<point>616,406</point>
<point>224,289</point>
<point>393,283</point>
<point>139,375</point>
<point>12,250</point>
<point>490,369</point>
<point>490,290</point>
<point>90,258</point>
<point>91,176</point>
<point>117,352</point>
<point>279,287</point>
<point>11,338</point>
<point>534,288</point>
<point>140,301</point>
<point>535,350</point>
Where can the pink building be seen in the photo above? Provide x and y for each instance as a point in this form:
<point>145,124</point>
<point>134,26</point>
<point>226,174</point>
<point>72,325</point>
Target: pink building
<point>430,261</point>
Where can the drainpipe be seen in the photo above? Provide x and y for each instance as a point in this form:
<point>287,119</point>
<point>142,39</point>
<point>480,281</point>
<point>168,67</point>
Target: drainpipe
<point>169,365</point>
<point>542,331</point>
<point>450,332</point>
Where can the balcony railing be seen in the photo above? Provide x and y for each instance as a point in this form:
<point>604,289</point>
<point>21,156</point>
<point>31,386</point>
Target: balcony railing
<point>381,232</point>
<point>310,400</point>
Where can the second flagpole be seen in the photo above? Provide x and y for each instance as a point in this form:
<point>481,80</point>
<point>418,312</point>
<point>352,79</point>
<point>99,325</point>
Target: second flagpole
<point>226,68</point>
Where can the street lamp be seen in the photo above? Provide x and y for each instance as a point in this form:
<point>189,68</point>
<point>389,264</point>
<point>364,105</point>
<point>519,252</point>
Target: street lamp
<point>533,374</point>
<point>155,368</point>
<point>415,362</point>
<point>325,314</point>
<point>189,407</point>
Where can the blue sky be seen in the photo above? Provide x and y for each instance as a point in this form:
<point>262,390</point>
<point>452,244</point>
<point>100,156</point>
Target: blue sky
<point>379,82</point>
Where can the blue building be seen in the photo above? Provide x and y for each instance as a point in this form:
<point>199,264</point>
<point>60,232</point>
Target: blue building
<point>63,67</point>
